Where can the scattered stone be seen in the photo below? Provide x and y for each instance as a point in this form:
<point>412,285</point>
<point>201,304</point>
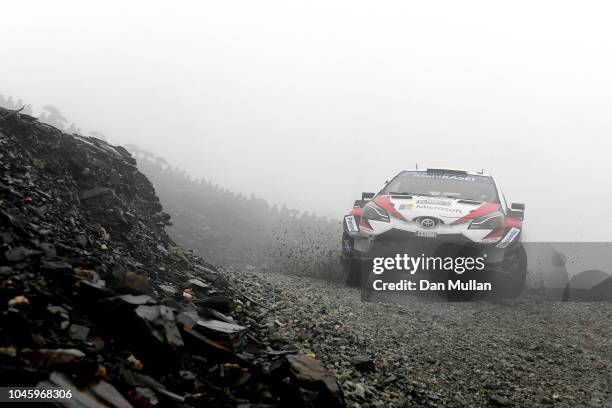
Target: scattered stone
<point>84,273</point>
<point>230,334</point>
<point>17,254</point>
<point>406,335</point>
<point>198,283</point>
<point>52,358</point>
<point>170,290</point>
<point>18,301</point>
<point>220,303</point>
<point>82,240</point>
<point>363,363</point>
<point>78,332</point>
<point>161,322</point>
<point>309,374</point>
<point>143,397</point>
<point>390,380</point>
<point>57,267</point>
<point>220,327</point>
<point>8,351</point>
<point>5,270</point>
<point>96,192</point>
<point>134,362</point>
<point>359,391</point>
<point>136,284</point>
<point>107,393</point>
<point>499,400</point>
<point>188,319</point>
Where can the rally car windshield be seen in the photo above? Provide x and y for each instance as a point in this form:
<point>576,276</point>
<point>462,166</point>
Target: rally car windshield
<point>463,186</point>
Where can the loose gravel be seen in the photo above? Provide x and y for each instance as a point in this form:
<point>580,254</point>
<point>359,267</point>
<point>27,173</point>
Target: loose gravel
<point>442,354</point>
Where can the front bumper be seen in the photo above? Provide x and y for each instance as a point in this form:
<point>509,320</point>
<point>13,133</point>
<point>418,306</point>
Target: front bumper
<point>395,241</point>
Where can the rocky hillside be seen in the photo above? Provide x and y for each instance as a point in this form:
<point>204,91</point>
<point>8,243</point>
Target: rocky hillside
<point>95,297</point>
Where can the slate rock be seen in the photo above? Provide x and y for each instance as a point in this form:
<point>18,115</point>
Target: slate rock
<point>309,374</point>
<point>363,363</point>
<point>499,401</point>
<point>78,332</point>
<point>220,303</point>
<point>18,254</point>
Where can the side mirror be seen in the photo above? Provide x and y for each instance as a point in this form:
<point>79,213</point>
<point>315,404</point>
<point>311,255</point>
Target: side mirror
<point>367,196</point>
<point>517,211</point>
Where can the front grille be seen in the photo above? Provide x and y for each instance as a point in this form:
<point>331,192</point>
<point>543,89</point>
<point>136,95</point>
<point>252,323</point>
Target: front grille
<point>438,221</point>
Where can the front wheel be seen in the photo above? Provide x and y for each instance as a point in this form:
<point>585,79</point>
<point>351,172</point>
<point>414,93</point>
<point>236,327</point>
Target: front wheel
<point>352,272</point>
<point>350,266</point>
<point>515,273</point>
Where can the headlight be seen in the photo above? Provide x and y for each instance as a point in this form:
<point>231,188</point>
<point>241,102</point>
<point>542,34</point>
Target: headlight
<point>374,212</point>
<point>490,221</point>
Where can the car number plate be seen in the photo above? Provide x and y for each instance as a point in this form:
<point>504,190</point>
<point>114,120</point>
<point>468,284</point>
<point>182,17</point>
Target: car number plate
<point>426,234</point>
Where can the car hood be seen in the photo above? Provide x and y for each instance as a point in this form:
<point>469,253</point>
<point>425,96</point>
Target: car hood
<point>449,210</point>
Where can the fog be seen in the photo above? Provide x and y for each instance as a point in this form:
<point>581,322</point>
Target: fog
<point>311,103</point>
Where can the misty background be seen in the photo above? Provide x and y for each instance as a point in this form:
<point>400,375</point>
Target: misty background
<point>310,103</point>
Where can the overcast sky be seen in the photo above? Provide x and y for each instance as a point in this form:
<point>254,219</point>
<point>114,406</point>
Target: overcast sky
<point>310,103</point>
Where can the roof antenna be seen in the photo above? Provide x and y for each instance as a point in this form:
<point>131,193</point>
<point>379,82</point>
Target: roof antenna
<point>481,171</point>
<point>416,166</point>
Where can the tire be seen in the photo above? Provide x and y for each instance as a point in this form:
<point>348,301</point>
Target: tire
<point>351,266</point>
<point>441,276</point>
<point>515,265</point>
<point>352,273</point>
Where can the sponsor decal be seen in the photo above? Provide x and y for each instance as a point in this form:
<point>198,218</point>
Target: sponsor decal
<point>434,202</point>
<point>405,207</point>
<point>507,240</point>
<point>351,225</point>
<point>438,208</point>
<point>459,177</point>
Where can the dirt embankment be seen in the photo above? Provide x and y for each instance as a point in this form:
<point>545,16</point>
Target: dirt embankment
<point>95,297</point>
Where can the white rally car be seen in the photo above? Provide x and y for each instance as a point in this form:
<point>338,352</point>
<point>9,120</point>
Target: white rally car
<point>429,209</point>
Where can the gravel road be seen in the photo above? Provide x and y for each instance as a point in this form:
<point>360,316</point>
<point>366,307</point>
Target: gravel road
<point>443,354</point>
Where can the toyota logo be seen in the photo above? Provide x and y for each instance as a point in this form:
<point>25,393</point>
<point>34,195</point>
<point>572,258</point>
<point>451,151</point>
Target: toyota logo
<point>428,223</point>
